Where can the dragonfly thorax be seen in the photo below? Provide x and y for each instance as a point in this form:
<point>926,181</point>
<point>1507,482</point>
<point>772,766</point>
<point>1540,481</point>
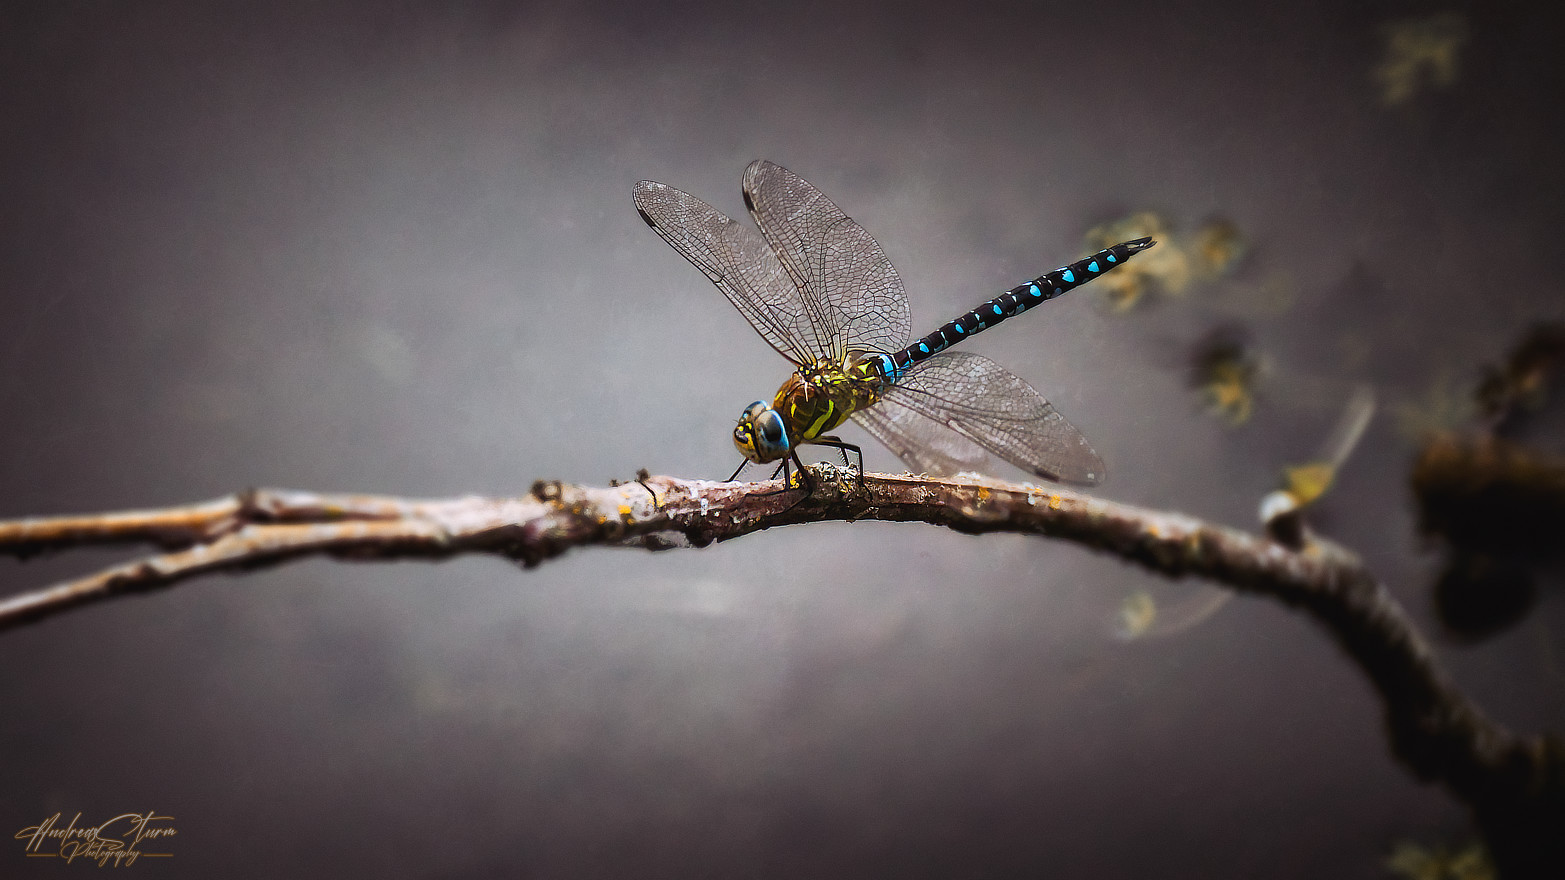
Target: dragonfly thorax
<point>818,397</point>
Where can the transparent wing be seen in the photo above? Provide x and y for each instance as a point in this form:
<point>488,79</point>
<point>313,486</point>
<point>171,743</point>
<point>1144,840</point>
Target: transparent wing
<point>739,262</point>
<point>977,399</point>
<point>852,294</point>
<point>927,446</point>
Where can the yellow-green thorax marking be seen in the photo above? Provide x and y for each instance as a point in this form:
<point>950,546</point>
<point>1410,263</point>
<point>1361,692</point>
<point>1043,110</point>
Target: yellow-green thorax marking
<point>818,397</point>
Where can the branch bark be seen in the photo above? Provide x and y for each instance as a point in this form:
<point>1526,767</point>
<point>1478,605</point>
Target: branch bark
<point>1514,784</point>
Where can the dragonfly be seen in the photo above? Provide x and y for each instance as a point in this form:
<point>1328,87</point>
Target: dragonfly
<point>817,287</point>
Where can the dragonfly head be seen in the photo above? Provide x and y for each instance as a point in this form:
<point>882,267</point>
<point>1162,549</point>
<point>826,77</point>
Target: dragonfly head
<point>760,435</point>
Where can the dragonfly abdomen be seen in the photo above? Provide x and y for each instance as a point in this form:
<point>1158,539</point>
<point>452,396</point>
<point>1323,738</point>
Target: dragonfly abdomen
<point>1009,304</point>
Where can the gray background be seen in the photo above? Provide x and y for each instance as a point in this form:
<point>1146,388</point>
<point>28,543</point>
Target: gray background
<point>390,247</point>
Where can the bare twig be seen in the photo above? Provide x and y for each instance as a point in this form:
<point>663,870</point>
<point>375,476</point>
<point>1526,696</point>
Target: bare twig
<point>1434,727</point>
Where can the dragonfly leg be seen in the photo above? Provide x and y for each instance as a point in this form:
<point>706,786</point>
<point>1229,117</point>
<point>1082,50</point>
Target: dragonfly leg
<point>835,441</point>
<point>787,474</point>
<point>805,483</point>
<point>844,448</point>
<point>733,476</point>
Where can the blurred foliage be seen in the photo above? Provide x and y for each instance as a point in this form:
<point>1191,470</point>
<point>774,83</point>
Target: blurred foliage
<point>1217,247</point>
<point>1137,614</point>
<point>1422,51</point>
<point>1304,484</point>
<point>1225,369</point>
<point>1307,482</point>
<point>1510,393</point>
<point>1414,862</point>
<point>1170,267</point>
<point>1444,406</point>
<point>1141,615</point>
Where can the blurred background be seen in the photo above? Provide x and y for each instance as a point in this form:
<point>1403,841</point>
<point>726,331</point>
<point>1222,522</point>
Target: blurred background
<point>390,247</point>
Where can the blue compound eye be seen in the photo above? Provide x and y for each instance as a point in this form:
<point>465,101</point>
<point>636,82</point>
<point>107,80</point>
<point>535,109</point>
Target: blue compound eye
<point>761,435</point>
<point>771,427</point>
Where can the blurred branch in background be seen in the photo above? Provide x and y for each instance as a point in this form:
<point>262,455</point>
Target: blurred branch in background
<point>1514,784</point>
<point>1493,496</point>
<point>1499,509</point>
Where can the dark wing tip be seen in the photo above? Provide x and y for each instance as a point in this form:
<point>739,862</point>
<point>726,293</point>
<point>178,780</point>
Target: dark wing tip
<point>752,173</point>
<point>643,197</point>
